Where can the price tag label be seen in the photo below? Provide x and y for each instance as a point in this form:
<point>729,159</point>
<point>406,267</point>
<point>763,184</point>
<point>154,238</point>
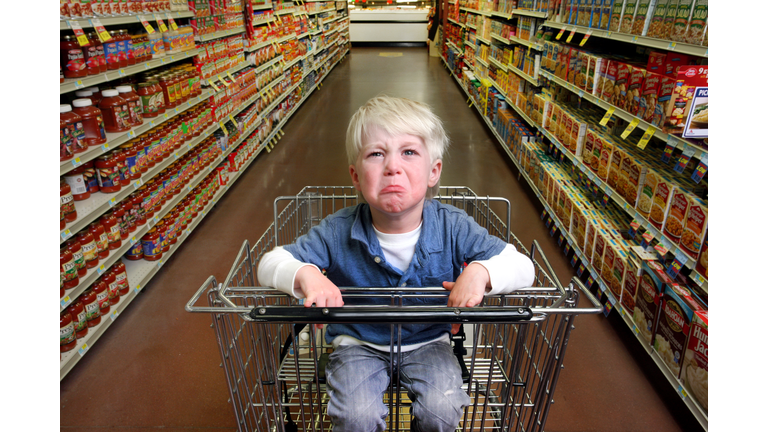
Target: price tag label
<point>133,240</point>
<point>159,263</point>
<point>146,24</point>
<point>646,137</point>
<point>574,260</point>
<point>634,226</point>
<point>65,302</point>
<point>560,33</point>
<point>586,38</point>
<point>83,349</point>
<point>580,270</point>
<point>590,281</point>
<point>701,170</point>
<point>100,269</point>
<point>231,77</point>
<point>661,248</point>
<point>570,35</point>
<point>223,129</point>
<point>171,22</point>
<point>608,307</point>
<point>66,234</point>
<point>684,158</point>
<point>548,222</point>
<point>100,30</point>
<point>82,39</point>
<point>672,45</point>
<point>632,125</point>
<point>682,392</point>
<point>213,85</point>
<point>698,278</point>
<point>137,288</point>
<point>567,248</point>
<point>113,315</point>
<point>602,286</point>
<point>560,240</point>
<point>668,149</point>
<point>634,39</point>
<point>112,202</point>
<point>552,231</point>
<point>223,80</point>
<point>677,264</point>
<point>161,24</point>
<point>647,238</point>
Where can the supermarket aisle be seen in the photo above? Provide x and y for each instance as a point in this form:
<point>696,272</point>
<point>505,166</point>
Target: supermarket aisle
<point>157,366</point>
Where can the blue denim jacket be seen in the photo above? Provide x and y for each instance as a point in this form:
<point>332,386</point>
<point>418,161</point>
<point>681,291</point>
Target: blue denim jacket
<point>345,245</point>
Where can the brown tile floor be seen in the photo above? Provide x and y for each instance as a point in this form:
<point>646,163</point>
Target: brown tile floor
<point>158,366</point>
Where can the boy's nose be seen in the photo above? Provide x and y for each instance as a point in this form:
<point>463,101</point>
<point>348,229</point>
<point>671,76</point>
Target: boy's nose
<point>392,166</point>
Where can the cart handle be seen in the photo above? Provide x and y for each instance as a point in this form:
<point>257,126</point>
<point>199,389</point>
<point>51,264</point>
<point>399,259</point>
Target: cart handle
<point>535,247</point>
<point>211,282</point>
<point>390,315</point>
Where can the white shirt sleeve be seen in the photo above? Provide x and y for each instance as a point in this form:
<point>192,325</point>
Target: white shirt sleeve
<point>510,270</point>
<point>278,268</point>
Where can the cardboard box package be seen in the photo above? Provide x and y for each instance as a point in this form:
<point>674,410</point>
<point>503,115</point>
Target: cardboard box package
<point>660,201</point>
<point>614,172</point>
<point>669,19</point>
<point>609,255</point>
<point>682,18</point>
<point>628,16</point>
<point>677,308</point>
<point>641,16</point>
<point>601,238</point>
<point>634,89</point>
<point>632,178</point>
<point>656,61</point>
<point>649,96</point>
<point>604,164</point>
<point>620,96</point>
<point>631,279</point>
<point>597,150</point>
<point>608,81</point>
<point>619,272</point>
<point>677,215</point>
<point>616,14</point>
<point>695,372</point>
<point>702,263</point>
<point>605,13</point>
<point>656,26</point>
<point>695,33</point>
<point>648,299</point>
<point>645,200</point>
<point>695,228</point>
<point>664,100</point>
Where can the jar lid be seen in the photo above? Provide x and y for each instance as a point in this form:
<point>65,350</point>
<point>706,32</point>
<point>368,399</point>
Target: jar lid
<point>124,89</point>
<point>93,89</point>
<point>109,93</point>
<point>83,93</point>
<point>79,103</point>
<point>64,108</point>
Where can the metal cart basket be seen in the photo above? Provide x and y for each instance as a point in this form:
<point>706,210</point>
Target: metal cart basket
<point>511,351</point>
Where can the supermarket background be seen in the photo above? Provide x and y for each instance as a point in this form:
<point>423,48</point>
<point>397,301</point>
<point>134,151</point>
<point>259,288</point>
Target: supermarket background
<point>735,178</point>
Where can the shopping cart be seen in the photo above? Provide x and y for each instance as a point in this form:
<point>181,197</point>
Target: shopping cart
<point>511,352</point>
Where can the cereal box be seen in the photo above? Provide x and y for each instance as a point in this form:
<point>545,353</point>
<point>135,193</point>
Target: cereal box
<point>669,19</point>
<point>628,15</point>
<point>695,33</point>
<point>649,96</point>
<point>616,14</point>
<point>702,263</point>
<point>682,18</point>
<point>677,214</point>
<point>648,299</point>
<point>677,308</point>
<point>647,192</point>
<point>662,197</point>
<point>634,88</point>
<point>638,25</point>
<point>695,371</point>
<point>657,19</point>
<point>695,228</point>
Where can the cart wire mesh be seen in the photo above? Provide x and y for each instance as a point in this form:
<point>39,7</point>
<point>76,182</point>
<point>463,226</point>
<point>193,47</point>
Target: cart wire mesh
<point>511,347</point>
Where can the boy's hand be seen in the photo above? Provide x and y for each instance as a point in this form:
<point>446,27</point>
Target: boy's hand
<point>468,290</point>
<point>318,290</point>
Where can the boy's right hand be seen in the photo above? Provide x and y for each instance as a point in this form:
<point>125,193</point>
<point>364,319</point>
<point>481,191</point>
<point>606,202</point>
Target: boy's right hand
<point>318,289</point>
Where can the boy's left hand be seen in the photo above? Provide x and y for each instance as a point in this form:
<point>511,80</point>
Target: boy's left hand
<point>468,290</point>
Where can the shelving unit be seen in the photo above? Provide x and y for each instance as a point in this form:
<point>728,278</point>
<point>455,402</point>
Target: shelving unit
<point>585,268</point>
<point>127,19</point>
<point>141,272</point>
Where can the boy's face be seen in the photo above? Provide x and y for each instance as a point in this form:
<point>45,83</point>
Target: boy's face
<point>394,172</point>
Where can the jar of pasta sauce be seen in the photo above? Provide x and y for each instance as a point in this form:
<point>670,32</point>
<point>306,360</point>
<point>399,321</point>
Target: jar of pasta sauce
<point>89,248</point>
<point>136,208</point>
<point>93,121</point>
<point>77,183</point>
<point>72,58</point>
<point>152,245</point>
<point>67,202</point>
<point>135,110</point>
<point>112,287</point>
<point>112,53</point>
<point>170,229</point>
<point>74,247</point>
<point>100,236</point>
<point>131,155</point>
<point>91,305</point>
<point>119,213</point>
<point>68,268</point>
<point>67,337</point>
<point>115,111</point>
<point>122,166</point>
<point>77,311</point>
<point>109,221</point>
<point>89,174</point>
<point>102,296</point>
<point>151,98</point>
<point>121,277</point>
<point>76,128</point>
<point>135,253</point>
<point>94,40</point>
<point>108,172</point>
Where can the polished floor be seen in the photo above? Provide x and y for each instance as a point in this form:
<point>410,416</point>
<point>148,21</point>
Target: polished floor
<point>157,367</point>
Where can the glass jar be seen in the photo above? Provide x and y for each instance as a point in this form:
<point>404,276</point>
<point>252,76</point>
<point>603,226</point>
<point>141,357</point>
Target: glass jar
<point>89,249</point>
<point>91,304</point>
<point>76,181</point>
<point>93,121</point>
<point>149,99</point>
<point>100,236</point>
<point>94,40</point>
<point>151,245</point>
<point>135,109</point>
<point>68,268</point>
<point>75,125</point>
<point>73,246</point>
<point>112,53</point>
<point>77,311</point>
<point>72,58</point>
<point>121,277</point>
<point>67,202</point>
<point>115,111</point>
<point>67,337</point>
<point>108,172</point>
<point>112,228</point>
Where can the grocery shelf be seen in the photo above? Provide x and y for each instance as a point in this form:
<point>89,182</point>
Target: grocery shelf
<point>695,50</point>
<point>524,75</point>
<point>497,63</point>
<point>269,64</point>
<point>455,22</point>
<point>331,20</point>
<point>481,61</point>
<point>262,7</point>
<point>72,84</point>
<point>530,13</point>
<point>644,125</point>
<point>499,38</point>
<point>128,19</point>
<point>285,11</point>
<point>321,11</point>
<point>303,35</point>
<point>242,65</point>
<point>114,255</point>
<point>504,15</point>
<point>483,40</point>
<point>475,11</point>
<point>261,22</point>
<point>219,34</point>
<point>141,272</point>
<point>692,405</point>
<point>116,139</point>
<point>534,45</point>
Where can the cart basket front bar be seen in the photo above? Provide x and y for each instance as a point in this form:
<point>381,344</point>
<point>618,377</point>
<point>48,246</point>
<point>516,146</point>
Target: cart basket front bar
<point>390,314</point>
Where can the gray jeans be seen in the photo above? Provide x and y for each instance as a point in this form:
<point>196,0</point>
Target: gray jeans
<point>357,377</point>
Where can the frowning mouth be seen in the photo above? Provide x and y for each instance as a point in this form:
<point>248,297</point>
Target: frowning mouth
<point>393,189</point>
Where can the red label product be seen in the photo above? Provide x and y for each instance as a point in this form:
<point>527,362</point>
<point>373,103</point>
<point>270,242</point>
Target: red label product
<point>648,299</point>
<point>695,373</point>
<point>677,308</point>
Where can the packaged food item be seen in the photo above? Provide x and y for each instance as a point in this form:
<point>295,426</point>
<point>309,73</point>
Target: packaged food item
<point>695,228</point>
<point>682,18</point>
<point>628,15</point>
<point>677,215</point>
<point>695,372</point>
<point>67,337</point>
<point>631,278</point>
<point>669,20</point>
<point>645,199</point>
<point>677,308</point>
<point>641,15</point>
<point>660,202</point>
<point>616,14</point>
<point>648,299</point>
<point>702,263</point>
<point>72,132</point>
<point>620,94</point>
<point>619,272</point>
<point>656,25</point>
<point>634,89</point>
<point>695,33</point>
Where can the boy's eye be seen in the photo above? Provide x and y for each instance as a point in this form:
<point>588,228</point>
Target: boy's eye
<point>409,152</point>
<point>374,154</point>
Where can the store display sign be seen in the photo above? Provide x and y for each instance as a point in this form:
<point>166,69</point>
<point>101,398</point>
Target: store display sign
<point>701,170</point>
<point>580,270</point>
<point>574,260</point>
<point>697,124</point>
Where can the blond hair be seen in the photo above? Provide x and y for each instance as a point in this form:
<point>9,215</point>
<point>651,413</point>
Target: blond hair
<point>398,116</point>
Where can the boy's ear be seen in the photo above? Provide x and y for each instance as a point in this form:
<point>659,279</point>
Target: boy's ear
<point>355,177</point>
<point>434,174</point>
